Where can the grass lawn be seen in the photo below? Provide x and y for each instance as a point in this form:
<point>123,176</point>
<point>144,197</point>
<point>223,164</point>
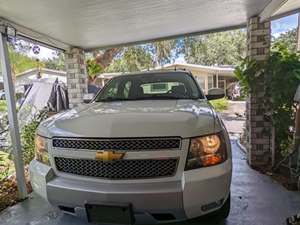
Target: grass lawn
<point>220,104</point>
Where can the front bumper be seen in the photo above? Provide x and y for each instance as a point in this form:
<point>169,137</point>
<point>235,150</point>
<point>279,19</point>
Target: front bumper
<point>182,199</point>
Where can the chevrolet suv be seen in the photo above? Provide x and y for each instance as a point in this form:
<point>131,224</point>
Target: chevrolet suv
<point>149,148</point>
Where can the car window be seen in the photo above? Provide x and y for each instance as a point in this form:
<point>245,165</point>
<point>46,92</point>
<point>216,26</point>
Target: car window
<point>150,86</point>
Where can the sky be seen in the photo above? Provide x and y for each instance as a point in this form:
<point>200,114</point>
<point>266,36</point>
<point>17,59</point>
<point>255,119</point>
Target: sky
<point>284,24</point>
<point>278,26</point>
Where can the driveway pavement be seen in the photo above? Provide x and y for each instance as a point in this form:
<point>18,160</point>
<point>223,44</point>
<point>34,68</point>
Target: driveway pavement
<point>234,117</point>
<point>256,200</point>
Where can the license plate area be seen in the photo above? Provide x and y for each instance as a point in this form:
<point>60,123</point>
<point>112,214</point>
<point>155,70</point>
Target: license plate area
<point>110,214</point>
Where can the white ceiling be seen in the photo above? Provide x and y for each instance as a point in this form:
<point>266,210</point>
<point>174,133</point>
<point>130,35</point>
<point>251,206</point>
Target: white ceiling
<point>289,6</point>
<point>101,23</point>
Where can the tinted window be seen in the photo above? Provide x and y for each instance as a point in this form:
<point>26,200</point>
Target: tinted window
<point>150,86</point>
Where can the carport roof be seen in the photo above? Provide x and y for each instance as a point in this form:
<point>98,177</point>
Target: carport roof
<point>105,23</point>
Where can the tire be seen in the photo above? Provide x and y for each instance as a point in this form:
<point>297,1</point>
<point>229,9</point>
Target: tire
<point>222,213</point>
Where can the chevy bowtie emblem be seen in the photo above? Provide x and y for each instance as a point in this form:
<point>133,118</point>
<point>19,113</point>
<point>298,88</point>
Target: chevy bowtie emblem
<point>109,155</point>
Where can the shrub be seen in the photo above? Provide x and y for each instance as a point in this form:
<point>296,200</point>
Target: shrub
<point>28,135</point>
<point>280,76</point>
<point>4,165</point>
<point>3,106</point>
<point>220,104</point>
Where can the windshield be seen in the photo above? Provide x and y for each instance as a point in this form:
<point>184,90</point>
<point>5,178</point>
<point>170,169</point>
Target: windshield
<point>150,87</point>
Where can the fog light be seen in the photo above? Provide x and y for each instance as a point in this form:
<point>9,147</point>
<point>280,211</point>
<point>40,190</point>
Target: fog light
<point>212,205</point>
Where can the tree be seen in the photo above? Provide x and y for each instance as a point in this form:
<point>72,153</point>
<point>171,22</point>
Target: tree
<point>56,63</point>
<point>288,39</point>
<point>162,51</point>
<point>105,57</point>
<point>131,59</point>
<point>20,62</point>
<point>93,68</point>
<point>224,48</point>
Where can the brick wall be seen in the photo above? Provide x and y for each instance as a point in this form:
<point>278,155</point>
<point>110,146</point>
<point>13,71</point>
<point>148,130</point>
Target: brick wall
<point>258,128</point>
<point>76,75</point>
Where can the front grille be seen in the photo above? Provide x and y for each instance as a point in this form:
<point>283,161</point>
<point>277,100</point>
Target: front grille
<point>121,169</point>
<point>118,144</point>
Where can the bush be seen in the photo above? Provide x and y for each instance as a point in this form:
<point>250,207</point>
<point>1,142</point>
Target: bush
<point>3,106</point>
<point>220,104</point>
<point>5,165</point>
<point>280,76</point>
<point>28,135</point>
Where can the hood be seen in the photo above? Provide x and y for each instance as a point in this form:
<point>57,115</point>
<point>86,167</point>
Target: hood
<point>151,118</point>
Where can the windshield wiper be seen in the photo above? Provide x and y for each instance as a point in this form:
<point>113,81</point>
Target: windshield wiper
<point>159,97</point>
<point>111,99</point>
<point>150,97</point>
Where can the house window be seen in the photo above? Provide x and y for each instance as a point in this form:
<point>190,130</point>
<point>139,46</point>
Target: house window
<point>210,81</point>
<point>222,84</point>
<point>201,81</point>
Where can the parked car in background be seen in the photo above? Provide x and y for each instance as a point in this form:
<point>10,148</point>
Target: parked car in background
<point>149,148</point>
<point>234,91</point>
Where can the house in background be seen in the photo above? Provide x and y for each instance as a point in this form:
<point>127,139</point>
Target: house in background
<point>102,78</point>
<point>27,77</point>
<point>208,76</point>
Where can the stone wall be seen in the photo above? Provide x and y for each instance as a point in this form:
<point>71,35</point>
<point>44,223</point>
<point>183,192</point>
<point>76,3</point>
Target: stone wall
<point>76,75</point>
<point>258,127</point>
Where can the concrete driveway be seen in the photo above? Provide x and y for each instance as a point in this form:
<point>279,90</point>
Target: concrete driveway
<point>256,200</point>
<point>234,117</point>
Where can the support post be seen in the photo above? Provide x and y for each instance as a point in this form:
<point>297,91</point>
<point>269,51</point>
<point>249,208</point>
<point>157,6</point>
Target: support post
<point>259,127</point>
<point>298,33</point>
<point>12,116</point>
<point>76,76</point>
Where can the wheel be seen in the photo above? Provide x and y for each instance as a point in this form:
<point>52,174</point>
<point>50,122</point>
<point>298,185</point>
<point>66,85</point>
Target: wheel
<point>222,213</point>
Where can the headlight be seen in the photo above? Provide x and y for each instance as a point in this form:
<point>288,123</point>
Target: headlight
<point>206,151</point>
<point>41,153</point>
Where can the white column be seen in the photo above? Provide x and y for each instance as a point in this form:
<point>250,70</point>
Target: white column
<point>206,84</point>
<point>12,117</point>
<point>299,32</point>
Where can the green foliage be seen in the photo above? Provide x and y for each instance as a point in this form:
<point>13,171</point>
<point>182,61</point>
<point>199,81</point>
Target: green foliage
<point>93,68</point>
<point>6,165</point>
<point>56,63</point>
<point>220,104</point>
<point>131,60</point>
<point>249,73</point>
<point>3,106</point>
<point>224,48</point>
<point>20,62</point>
<point>162,51</point>
<point>282,79</point>
<point>28,135</point>
<point>280,76</point>
<point>288,39</point>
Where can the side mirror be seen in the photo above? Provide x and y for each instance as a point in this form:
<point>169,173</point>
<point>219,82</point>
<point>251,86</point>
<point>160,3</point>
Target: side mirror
<point>297,95</point>
<point>215,93</point>
<point>87,98</point>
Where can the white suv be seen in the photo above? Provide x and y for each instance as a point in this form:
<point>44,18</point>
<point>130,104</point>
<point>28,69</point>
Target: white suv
<point>149,148</point>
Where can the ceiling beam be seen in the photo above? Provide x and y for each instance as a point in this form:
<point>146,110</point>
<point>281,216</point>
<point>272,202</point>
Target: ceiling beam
<point>35,37</point>
<point>271,9</point>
